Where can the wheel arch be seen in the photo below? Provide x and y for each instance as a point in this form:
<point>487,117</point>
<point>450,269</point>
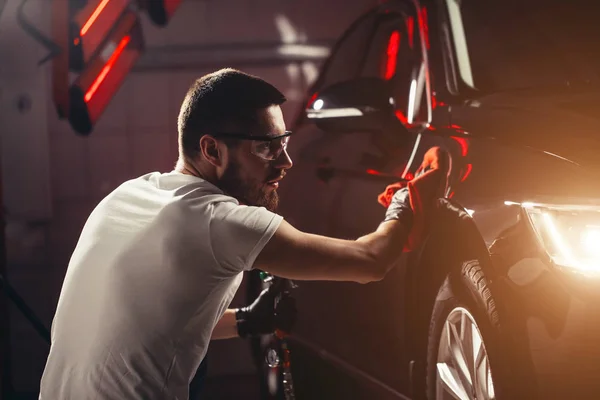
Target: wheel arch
<point>455,239</point>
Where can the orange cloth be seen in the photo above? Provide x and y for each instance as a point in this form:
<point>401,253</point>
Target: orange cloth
<point>423,191</point>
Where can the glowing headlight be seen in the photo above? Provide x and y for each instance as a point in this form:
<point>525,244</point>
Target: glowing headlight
<point>569,234</point>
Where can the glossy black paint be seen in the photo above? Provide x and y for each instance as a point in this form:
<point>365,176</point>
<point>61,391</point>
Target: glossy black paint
<point>533,145</point>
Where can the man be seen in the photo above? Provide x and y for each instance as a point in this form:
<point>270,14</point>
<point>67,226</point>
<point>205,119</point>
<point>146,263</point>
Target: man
<point>161,257</point>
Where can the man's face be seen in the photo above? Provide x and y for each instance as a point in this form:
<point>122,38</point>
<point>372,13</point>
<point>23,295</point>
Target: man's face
<point>249,178</point>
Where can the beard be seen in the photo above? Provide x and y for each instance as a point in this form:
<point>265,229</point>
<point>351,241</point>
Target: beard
<point>248,191</point>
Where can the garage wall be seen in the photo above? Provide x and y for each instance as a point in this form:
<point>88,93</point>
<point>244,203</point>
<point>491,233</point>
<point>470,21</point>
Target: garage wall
<point>283,41</point>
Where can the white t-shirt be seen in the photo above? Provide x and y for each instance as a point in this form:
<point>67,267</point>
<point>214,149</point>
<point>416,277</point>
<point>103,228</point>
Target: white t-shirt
<point>156,266</point>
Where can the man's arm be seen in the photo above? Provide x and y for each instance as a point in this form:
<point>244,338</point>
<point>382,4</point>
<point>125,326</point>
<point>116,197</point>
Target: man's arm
<point>297,255</point>
<point>302,256</point>
<point>226,328</point>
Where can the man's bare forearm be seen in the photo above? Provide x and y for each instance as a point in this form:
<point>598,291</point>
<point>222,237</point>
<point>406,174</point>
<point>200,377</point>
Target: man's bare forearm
<point>386,245</point>
<point>226,328</point>
<point>294,254</point>
<point>302,256</point>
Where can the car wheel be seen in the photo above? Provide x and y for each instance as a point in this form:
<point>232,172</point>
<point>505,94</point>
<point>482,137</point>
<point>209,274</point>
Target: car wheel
<point>463,358</point>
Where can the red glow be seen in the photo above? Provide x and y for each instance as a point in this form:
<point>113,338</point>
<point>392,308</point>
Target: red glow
<point>93,18</point>
<point>392,54</point>
<point>401,117</point>
<point>454,126</point>
<point>451,195</point>
<point>433,102</point>
<point>468,170</point>
<point>409,176</point>
<point>373,172</point>
<point>410,27</point>
<point>431,128</point>
<point>464,145</point>
<point>111,61</point>
<point>312,99</point>
<point>424,24</point>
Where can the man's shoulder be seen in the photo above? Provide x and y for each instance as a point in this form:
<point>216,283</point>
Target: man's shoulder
<point>186,191</point>
<point>156,190</point>
<point>177,184</point>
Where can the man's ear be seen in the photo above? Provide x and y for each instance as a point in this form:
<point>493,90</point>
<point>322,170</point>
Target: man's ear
<point>210,150</point>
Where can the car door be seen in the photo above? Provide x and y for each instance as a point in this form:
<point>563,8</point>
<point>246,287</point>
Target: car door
<point>359,328</point>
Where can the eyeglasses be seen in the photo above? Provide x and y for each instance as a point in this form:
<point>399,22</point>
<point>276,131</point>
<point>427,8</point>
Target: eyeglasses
<point>268,148</point>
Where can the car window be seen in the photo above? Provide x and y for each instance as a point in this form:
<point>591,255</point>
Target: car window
<point>384,44</point>
<point>348,55</point>
<point>395,54</point>
<point>387,45</point>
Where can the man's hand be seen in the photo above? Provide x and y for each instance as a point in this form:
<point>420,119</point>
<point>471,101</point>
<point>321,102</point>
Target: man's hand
<point>434,159</point>
<point>399,208</point>
<point>263,317</point>
<point>418,195</point>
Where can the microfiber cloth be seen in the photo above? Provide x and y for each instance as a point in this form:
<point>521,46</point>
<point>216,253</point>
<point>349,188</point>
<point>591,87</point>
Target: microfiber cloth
<point>429,184</point>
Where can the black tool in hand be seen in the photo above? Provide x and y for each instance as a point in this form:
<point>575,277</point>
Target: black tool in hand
<point>278,355</point>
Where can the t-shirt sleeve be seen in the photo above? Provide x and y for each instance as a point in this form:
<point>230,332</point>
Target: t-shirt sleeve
<point>238,234</point>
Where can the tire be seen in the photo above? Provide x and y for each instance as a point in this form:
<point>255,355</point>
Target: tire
<point>465,301</point>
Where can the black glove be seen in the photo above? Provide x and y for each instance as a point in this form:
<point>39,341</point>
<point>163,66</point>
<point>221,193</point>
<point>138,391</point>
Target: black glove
<point>263,317</point>
<point>400,209</point>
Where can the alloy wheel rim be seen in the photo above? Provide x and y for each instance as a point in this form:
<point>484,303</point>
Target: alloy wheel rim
<point>463,367</point>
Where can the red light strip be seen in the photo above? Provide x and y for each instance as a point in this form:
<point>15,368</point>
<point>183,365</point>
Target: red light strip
<point>401,117</point>
<point>111,61</point>
<point>93,18</point>
<point>425,25</point>
<point>464,145</point>
<point>392,54</point>
<point>312,99</point>
<point>468,170</point>
<point>410,27</point>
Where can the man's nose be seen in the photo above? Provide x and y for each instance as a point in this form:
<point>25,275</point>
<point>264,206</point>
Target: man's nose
<point>284,161</point>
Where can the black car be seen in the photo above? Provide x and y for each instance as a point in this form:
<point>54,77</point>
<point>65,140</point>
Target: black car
<point>502,300</point>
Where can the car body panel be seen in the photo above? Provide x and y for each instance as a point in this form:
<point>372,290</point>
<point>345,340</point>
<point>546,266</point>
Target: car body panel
<point>337,322</point>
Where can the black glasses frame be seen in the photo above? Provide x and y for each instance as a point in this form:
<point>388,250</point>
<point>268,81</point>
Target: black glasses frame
<point>244,136</point>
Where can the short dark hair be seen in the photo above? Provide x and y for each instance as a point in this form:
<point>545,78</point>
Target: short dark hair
<point>226,96</point>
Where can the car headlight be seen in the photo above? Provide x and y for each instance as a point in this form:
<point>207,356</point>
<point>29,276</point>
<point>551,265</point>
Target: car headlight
<point>569,234</point>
